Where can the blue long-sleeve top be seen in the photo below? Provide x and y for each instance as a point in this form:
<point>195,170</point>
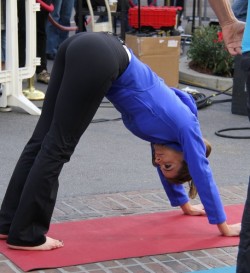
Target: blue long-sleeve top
<point>159,114</point>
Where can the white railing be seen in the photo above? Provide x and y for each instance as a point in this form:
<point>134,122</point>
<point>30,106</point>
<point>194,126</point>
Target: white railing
<point>102,26</point>
<point>12,76</point>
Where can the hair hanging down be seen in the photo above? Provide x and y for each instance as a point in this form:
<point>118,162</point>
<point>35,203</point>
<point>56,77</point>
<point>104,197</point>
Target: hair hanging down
<point>183,175</point>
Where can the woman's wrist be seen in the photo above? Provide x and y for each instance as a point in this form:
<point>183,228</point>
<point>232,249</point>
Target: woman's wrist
<point>186,208</point>
<point>223,228</point>
<point>229,230</point>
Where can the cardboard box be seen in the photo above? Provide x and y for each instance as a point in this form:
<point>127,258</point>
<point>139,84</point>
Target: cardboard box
<point>161,54</point>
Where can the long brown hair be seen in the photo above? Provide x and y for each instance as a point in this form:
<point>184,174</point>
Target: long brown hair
<point>183,175</point>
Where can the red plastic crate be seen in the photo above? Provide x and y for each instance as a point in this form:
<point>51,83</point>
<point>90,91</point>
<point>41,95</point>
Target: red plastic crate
<point>155,17</point>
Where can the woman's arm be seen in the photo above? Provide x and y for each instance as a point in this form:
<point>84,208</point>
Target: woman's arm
<point>194,154</point>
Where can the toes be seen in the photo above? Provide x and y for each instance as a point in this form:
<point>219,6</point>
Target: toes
<point>3,236</point>
<point>53,243</point>
<point>48,245</point>
<point>57,244</point>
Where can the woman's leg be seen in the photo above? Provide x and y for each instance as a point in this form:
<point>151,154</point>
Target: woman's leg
<point>26,160</point>
<point>90,65</point>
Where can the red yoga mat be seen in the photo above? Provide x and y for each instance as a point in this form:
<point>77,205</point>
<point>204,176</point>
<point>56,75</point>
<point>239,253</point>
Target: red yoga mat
<point>104,239</point>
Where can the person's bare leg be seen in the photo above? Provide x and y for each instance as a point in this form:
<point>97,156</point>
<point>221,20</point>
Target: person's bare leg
<point>3,236</point>
<point>48,245</point>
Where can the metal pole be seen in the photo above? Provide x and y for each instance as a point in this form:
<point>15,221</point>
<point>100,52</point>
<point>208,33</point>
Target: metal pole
<point>139,16</point>
<point>205,11</point>
<point>193,16</point>
<point>80,16</point>
<point>199,12</point>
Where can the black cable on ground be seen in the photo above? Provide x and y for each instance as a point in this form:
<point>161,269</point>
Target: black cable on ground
<point>219,133</point>
<point>202,100</point>
<point>221,101</point>
<point>207,88</point>
<point>101,119</point>
<point>104,120</point>
<point>105,104</point>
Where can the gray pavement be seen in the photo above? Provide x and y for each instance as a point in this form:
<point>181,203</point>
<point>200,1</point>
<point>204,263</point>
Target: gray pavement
<point>110,174</point>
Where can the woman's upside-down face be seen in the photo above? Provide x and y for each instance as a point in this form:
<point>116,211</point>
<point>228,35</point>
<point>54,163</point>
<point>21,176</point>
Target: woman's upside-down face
<point>169,160</point>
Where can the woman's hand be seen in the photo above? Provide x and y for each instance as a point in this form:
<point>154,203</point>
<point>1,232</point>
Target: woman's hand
<point>224,228</point>
<point>229,230</point>
<point>193,210</point>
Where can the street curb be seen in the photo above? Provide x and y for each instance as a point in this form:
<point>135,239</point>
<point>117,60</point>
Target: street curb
<point>191,77</point>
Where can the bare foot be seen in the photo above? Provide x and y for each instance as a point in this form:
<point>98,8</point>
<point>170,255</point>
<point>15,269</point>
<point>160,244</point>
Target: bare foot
<point>3,236</point>
<point>48,245</point>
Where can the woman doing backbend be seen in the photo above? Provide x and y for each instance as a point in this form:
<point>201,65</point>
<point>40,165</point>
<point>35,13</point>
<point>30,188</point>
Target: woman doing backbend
<point>88,67</point>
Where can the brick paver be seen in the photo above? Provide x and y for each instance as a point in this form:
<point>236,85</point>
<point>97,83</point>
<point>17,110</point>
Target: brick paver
<point>125,203</point>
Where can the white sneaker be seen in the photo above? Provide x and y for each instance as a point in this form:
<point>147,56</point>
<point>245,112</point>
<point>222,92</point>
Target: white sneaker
<point>180,29</point>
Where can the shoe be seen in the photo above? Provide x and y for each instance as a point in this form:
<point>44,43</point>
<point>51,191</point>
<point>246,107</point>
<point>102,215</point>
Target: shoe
<point>180,29</point>
<point>50,56</point>
<point>43,77</point>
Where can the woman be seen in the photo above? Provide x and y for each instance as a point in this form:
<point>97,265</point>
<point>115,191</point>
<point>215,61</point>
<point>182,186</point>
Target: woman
<point>89,66</point>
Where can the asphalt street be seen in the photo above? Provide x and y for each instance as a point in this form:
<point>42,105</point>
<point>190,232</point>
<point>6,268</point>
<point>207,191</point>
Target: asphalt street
<point>110,159</point>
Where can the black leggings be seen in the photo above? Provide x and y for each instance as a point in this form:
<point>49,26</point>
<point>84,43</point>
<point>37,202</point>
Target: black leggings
<point>85,67</point>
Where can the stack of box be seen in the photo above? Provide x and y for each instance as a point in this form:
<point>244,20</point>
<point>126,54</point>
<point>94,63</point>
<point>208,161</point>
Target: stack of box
<point>161,53</point>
